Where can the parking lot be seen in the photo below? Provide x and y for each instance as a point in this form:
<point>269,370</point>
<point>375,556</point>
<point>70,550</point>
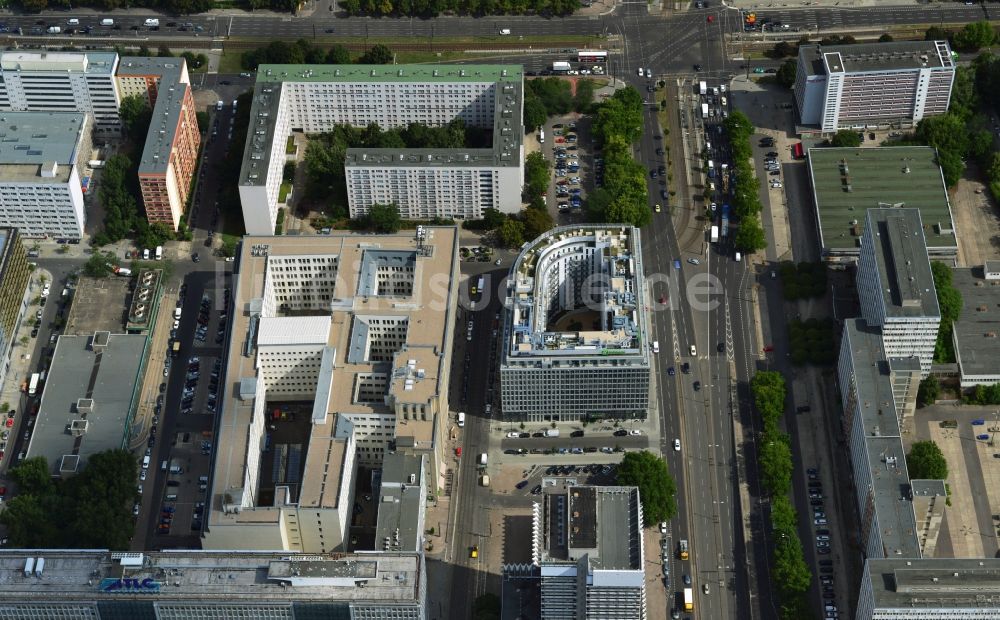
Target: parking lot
<point>575,170</point>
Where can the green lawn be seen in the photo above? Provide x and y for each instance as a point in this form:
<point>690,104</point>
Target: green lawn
<point>286,188</point>
<point>290,146</point>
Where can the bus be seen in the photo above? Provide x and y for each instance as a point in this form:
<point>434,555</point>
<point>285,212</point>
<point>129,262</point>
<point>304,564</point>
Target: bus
<point>797,151</point>
<point>33,384</point>
<point>590,57</point>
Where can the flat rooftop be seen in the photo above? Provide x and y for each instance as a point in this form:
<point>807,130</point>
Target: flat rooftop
<point>546,284</point>
<point>34,138</point>
<point>876,57</point>
<point>399,526</point>
<point>935,583</point>
<point>601,522</point>
<point>100,63</point>
<point>904,270</point>
<point>98,305</point>
<point>977,330</point>
<point>846,182</point>
<point>886,458</point>
<point>108,381</point>
<point>415,369</point>
<point>213,577</point>
<point>508,133</point>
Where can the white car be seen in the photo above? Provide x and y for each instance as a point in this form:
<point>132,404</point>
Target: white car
<point>512,435</point>
<point>177,323</point>
<point>714,207</point>
<point>677,445</point>
<point>649,73</point>
<point>635,431</point>
<point>639,71</point>
<point>166,372</point>
<point>142,475</point>
<point>139,489</point>
<point>135,510</point>
<point>663,527</point>
<point>776,185</point>
<point>694,261</point>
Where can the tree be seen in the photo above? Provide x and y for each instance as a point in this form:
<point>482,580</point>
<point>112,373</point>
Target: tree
<point>33,476</point>
<point>338,55</point>
<point>202,117</point>
<point>783,49</point>
<point>379,54</point>
<point>384,219</point>
<point>787,72</point>
<point>928,391</point>
<point>536,174</point>
<point>926,462</point>
<point>535,113</point>
<point>885,38</point>
<point>536,221</point>
<point>750,235</point>
<point>493,218</point>
<point>846,138</point>
<point>511,233</point>
<point>936,33</point>
<point>136,115</point>
<point>99,265</point>
<point>975,36</point>
<point>584,97</point>
<point>775,461</point>
<point>657,488</point>
<point>950,305</point>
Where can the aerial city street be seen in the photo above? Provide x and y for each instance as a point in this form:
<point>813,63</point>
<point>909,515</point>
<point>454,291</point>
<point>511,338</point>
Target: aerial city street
<point>571,310</point>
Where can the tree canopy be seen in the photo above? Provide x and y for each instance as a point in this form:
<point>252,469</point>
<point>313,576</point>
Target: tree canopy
<point>787,72</point>
<point>384,219</point>
<point>974,36</point>
<point>950,305</point>
<point>846,138</point>
<point>433,8</point>
<point>926,461</point>
<point>92,510</point>
<point>657,489</point>
<point>624,197</point>
<point>511,233</point>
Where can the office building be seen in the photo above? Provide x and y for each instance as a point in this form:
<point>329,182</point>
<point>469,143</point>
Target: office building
<point>14,277</point>
<point>339,354</point>
<point>873,84</point>
<point>422,182</point>
<point>170,155</point>
<point>574,343</point>
<point>929,589</point>
<point>198,585</point>
<point>868,382</point>
<point>847,181</point>
<point>402,503</point>
<point>41,159</point>
<point>896,285</point>
<point>87,400</point>
<point>976,333</point>
<point>586,555</point>
<point>62,82</point>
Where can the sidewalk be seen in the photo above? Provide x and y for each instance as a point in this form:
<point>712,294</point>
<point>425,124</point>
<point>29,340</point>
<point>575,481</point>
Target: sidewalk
<point>21,364</point>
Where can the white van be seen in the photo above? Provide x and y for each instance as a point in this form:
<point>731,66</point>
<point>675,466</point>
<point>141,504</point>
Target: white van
<point>482,460</point>
<point>461,419</point>
<point>163,466</point>
<point>176,469</point>
<point>505,31</point>
<point>107,22</point>
<point>694,351</point>
<point>151,23</point>
<point>218,105</point>
<point>177,314</point>
<point>739,257</point>
<point>159,252</point>
<point>171,498</point>
<point>72,22</point>
<point>656,346</point>
<point>145,462</point>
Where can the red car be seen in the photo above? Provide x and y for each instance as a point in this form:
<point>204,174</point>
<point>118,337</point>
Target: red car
<point>10,422</point>
<point>768,348</point>
<point>663,299</point>
<point>711,18</point>
<point>458,451</point>
<point>560,139</point>
<point>3,491</point>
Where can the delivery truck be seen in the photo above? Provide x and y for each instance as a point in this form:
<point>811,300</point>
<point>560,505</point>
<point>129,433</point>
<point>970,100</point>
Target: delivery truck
<point>704,110</point>
<point>561,66</point>
<point>715,234</point>
<point>702,88</point>
<point>688,599</point>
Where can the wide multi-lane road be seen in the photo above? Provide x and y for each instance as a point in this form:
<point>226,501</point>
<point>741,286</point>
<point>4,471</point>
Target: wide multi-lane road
<point>668,43</point>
